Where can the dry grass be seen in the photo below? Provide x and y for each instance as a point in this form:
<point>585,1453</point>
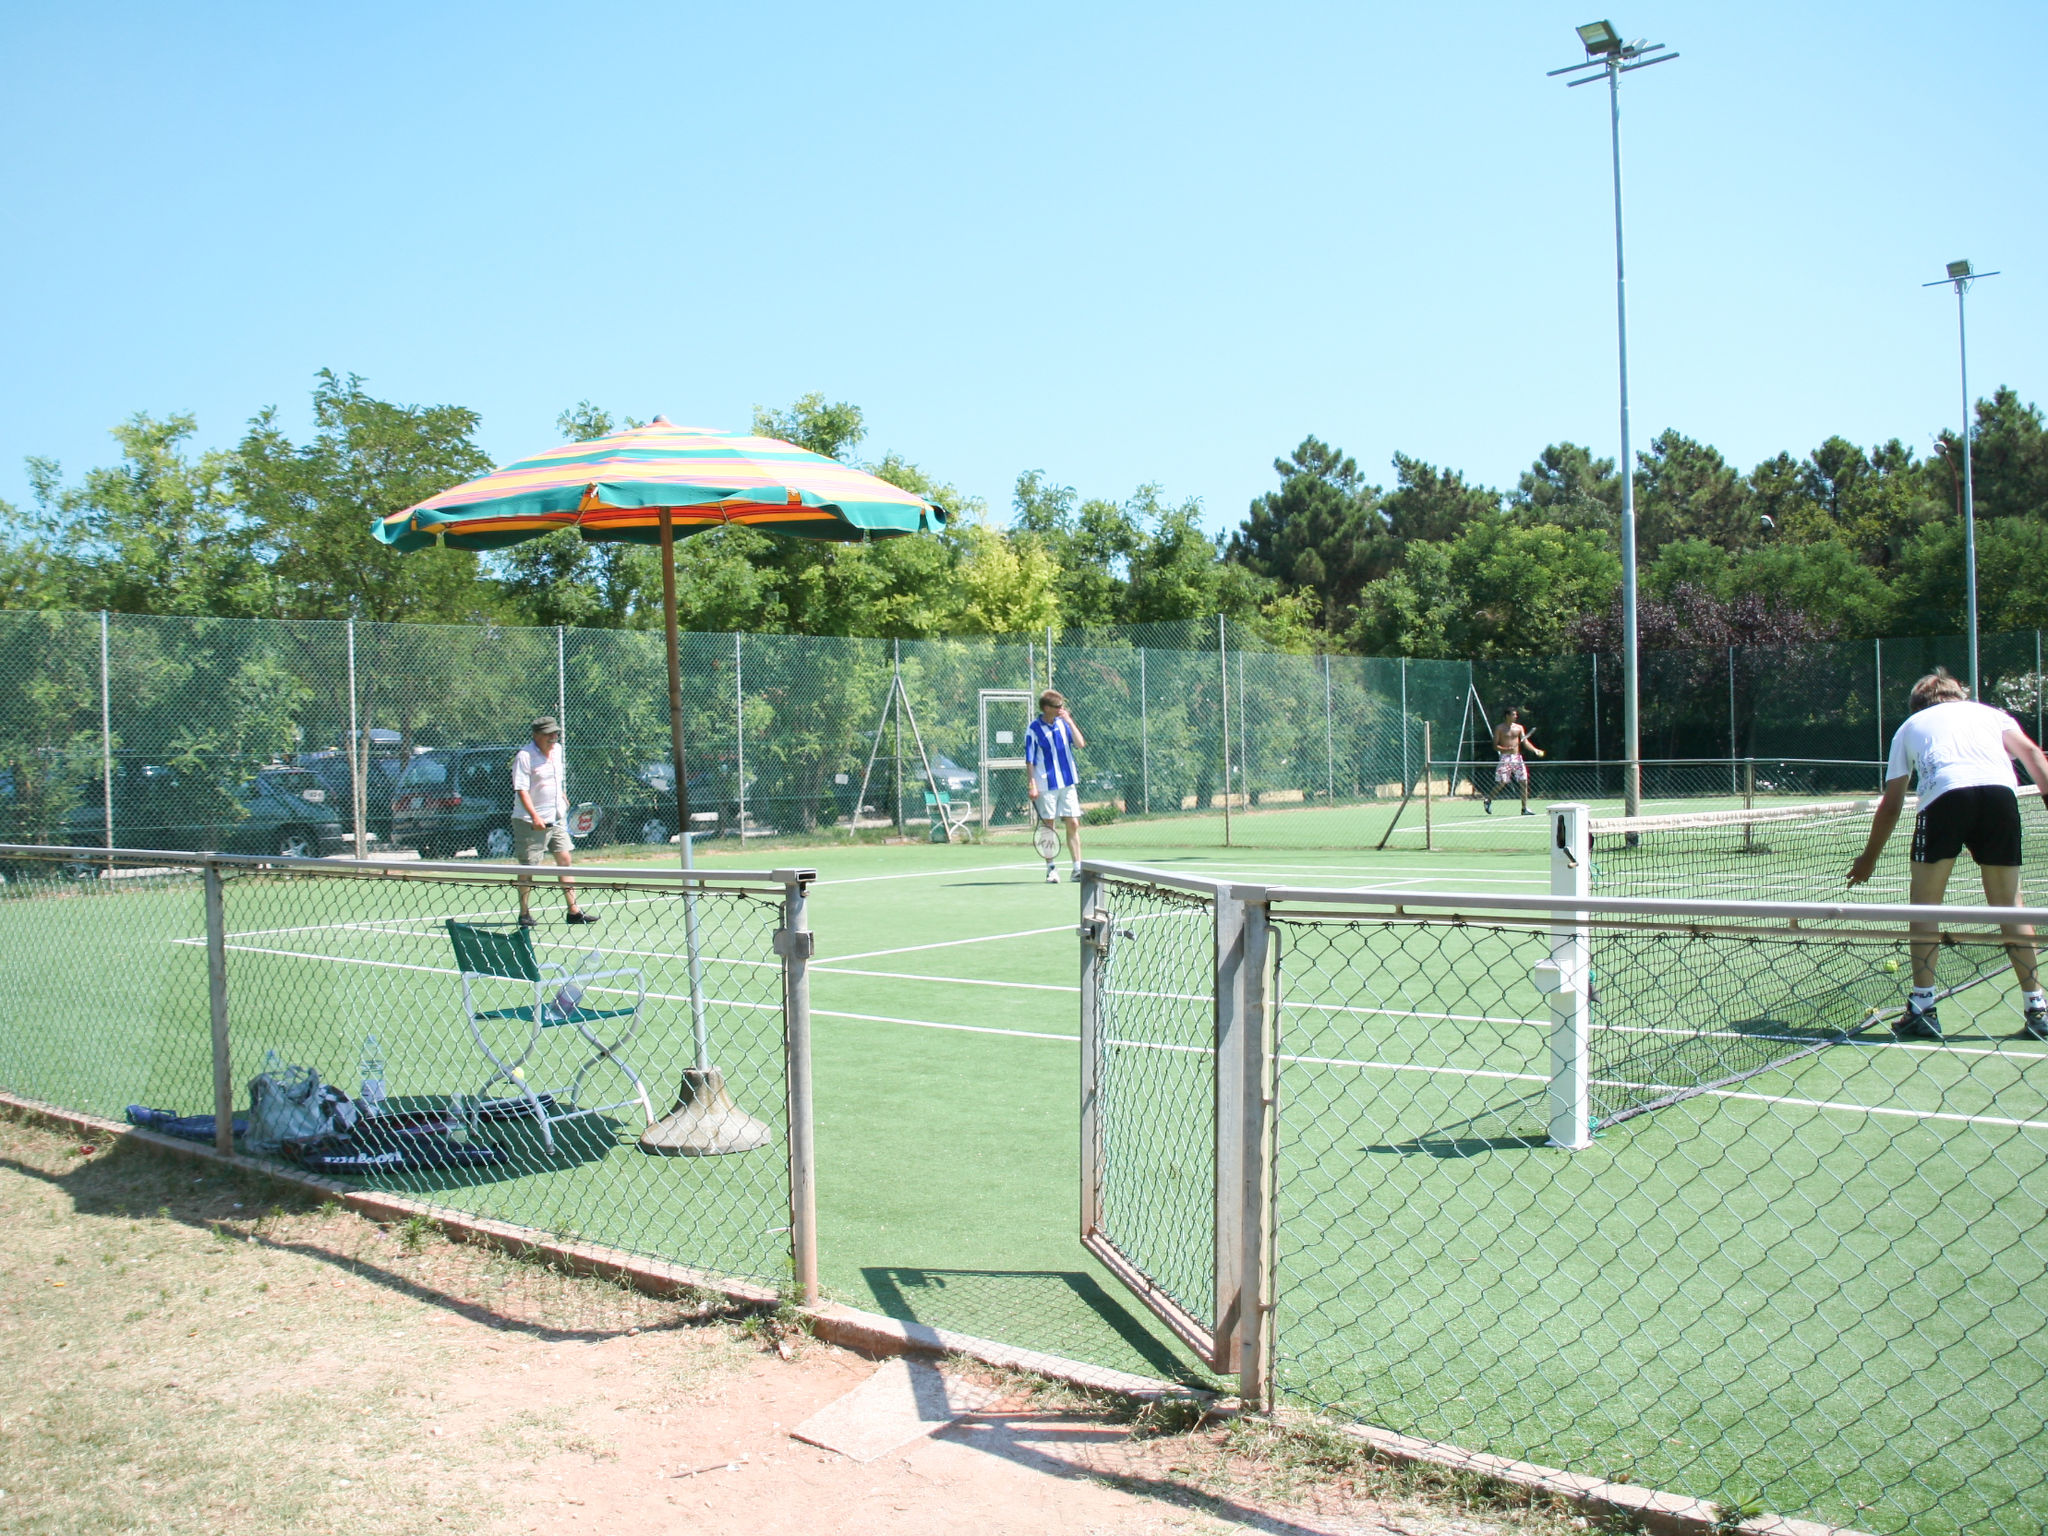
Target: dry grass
<point>188,1352</point>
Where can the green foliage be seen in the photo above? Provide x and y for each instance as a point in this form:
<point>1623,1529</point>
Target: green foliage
<point>311,506</point>
<point>1322,533</point>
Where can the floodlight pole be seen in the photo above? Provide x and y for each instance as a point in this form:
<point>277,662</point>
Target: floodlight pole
<point>1614,58</point>
<point>1960,277</point>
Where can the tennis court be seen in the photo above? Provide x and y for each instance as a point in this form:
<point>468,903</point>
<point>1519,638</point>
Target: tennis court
<point>1796,1282</point>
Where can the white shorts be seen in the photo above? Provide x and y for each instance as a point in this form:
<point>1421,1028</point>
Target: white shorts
<point>1056,803</point>
<point>1510,768</point>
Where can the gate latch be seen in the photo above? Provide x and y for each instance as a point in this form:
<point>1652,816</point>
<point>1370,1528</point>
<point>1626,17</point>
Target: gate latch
<point>1095,930</point>
<point>795,943</point>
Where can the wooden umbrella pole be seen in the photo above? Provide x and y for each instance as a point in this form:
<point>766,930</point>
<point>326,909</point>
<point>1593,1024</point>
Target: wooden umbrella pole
<point>675,677</point>
<point>673,641</point>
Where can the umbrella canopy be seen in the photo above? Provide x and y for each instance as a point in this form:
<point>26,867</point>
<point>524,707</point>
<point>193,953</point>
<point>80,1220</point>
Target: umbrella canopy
<point>617,487</point>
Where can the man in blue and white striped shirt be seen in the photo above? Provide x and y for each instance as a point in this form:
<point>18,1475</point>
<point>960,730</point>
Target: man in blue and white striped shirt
<point>1049,744</point>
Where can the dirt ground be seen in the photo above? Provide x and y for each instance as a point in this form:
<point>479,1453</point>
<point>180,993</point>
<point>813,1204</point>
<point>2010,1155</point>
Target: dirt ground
<point>190,1352</point>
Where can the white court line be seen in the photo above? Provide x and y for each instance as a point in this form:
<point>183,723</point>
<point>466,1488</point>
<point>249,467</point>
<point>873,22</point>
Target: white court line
<point>980,938</point>
<point>951,981</point>
<point>922,874</point>
<point>971,1029</point>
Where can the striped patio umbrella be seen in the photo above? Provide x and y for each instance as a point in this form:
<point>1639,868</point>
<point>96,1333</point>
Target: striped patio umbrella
<point>620,487</point>
<point>651,485</point>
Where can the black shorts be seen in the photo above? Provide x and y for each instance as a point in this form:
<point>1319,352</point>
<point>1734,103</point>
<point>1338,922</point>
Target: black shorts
<point>1984,818</point>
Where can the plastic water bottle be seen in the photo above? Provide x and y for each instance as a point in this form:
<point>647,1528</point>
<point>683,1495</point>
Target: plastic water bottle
<point>372,1096</point>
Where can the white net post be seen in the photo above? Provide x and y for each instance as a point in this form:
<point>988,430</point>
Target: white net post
<point>1565,979</point>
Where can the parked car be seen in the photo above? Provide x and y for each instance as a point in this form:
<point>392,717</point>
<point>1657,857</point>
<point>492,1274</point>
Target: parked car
<point>958,782</point>
<point>386,767</point>
<point>279,810</point>
<point>642,806</point>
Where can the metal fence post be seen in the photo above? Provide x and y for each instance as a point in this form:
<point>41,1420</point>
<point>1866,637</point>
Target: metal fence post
<point>1563,978</point>
<point>217,1004</point>
<point>1407,777</point>
<point>1244,756</point>
<point>896,704</point>
<point>358,754</point>
<point>1879,691</point>
<point>1230,1023</point>
<point>1258,1121</point>
<point>1731,717</point>
<point>739,732</point>
<point>1329,739</point>
<point>562,680</point>
<point>2037,686</point>
<point>1223,661</point>
<point>795,943</point>
<point>1145,734</point>
<point>1094,949</point>
<point>106,744</point>
<point>1428,801</point>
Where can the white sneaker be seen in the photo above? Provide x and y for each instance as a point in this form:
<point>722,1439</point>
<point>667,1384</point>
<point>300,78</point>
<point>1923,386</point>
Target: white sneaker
<point>1052,874</point>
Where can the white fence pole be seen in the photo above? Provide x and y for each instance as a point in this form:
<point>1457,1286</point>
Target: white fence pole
<point>358,755</point>
<point>1145,735</point>
<point>106,744</point>
<point>739,733</point>
<point>1564,979</point>
<point>1329,740</point>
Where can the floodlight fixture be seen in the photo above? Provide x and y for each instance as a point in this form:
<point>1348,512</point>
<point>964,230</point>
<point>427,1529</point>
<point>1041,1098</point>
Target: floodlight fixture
<point>1600,38</point>
<point>1960,277</point>
<point>1607,56</point>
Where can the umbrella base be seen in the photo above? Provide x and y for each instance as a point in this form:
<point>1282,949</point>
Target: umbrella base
<point>705,1121</point>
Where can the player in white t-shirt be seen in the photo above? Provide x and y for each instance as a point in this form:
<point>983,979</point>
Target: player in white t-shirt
<point>1963,752</point>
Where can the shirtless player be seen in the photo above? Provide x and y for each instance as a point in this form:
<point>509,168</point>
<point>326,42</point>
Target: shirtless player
<point>1511,740</point>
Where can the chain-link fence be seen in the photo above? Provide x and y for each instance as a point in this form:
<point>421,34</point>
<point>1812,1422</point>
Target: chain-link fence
<point>625,1082</point>
<point>1803,1269</point>
<point>296,738</point>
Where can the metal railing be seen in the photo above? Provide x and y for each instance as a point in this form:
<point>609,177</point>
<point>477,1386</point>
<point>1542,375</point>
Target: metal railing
<point>640,1083</point>
<point>1366,1155</point>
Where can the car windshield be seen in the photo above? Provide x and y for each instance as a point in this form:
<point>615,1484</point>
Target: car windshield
<point>426,770</point>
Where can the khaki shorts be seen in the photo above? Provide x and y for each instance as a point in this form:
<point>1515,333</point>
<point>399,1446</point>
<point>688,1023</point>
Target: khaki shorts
<point>534,844</point>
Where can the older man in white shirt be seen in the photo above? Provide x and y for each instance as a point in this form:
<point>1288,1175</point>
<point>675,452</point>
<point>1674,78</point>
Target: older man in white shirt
<point>540,820</point>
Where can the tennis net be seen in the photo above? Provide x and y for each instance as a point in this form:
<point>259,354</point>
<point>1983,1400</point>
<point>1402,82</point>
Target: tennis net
<point>1672,1021</point>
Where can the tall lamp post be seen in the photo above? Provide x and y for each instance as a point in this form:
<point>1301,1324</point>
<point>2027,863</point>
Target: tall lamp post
<point>1608,55</point>
<point>1960,277</point>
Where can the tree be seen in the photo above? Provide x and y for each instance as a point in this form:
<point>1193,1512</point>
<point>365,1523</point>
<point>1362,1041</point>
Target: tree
<point>1569,488</point>
<point>1322,532</point>
<point>1686,490</point>
<point>2009,467</point>
<point>1499,589</point>
<point>312,506</point>
<point>1432,503</point>
<point>156,533</point>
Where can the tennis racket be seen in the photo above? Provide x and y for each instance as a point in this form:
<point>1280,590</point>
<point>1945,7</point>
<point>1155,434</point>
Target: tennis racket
<point>1047,841</point>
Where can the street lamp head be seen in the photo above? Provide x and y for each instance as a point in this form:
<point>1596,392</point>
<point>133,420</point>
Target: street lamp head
<point>1600,39</point>
<point>1958,269</point>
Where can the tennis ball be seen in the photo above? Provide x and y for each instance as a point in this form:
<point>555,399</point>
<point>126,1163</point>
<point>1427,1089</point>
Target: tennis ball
<point>522,1076</point>
<point>1892,966</point>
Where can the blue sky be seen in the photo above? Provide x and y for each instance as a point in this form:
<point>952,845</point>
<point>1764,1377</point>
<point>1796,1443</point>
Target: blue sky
<point>1117,242</point>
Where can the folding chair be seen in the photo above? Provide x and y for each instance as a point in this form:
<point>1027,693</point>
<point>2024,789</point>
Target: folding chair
<point>494,959</point>
<point>949,821</point>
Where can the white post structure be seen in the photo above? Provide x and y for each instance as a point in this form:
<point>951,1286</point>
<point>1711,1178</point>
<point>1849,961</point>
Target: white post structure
<point>739,734</point>
<point>1879,691</point>
<point>1145,735</point>
<point>1407,778</point>
<point>106,743</point>
<point>358,754</point>
<point>1329,740</point>
<point>1565,980</point>
<point>1223,661</point>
